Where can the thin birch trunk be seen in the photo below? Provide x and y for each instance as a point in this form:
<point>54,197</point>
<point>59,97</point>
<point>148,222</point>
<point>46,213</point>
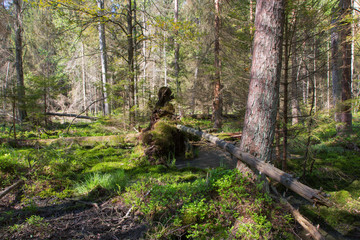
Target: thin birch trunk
<point>83,75</point>
<point>176,48</point>
<point>103,58</point>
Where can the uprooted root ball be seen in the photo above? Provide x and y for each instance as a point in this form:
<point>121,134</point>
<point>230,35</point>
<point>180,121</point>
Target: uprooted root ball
<point>163,142</point>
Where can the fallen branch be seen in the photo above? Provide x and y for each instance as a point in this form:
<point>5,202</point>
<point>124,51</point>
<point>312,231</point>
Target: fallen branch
<point>86,109</point>
<point>132,207</point>
<point>70,115</point>
<point>311,229</point>
<point>9,189</point>
<point>312,195</point>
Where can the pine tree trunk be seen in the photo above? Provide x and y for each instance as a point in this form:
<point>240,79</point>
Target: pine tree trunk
<point>335,66</point>
<point>346,115</point>
<point>103,57</point>
<point>286,100</point>
<point>19,61</point>
<point>259,124</point>
<point>217,98</point>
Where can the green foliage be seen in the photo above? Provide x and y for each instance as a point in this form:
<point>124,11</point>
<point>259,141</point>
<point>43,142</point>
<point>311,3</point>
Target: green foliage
<point>196,123</point>
<point>335,169</point>
<point>33,226</point>
<point>108,181</point>
<point>205,208</point>
<point>257,228</point>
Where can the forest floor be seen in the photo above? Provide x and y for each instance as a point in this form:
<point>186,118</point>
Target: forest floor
<point>98,186</point>
<point>81,219</point>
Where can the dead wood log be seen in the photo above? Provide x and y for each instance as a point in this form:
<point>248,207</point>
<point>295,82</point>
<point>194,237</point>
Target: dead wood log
<point>312,195</point>
<point>208,116</point>
<point>9,189</point>
<point>70,115</point>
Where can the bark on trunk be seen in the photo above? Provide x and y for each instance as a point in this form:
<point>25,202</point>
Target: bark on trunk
<point>19,60</point>
<point>103,57</point>
<point>285,103</point>
<point>259,124</point>
<point>217,101</point>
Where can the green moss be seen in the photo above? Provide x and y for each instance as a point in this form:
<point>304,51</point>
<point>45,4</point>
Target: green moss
<point>335,217</point>
<point>342,197</point>
<point>354,188</point>
<point>106,166</point>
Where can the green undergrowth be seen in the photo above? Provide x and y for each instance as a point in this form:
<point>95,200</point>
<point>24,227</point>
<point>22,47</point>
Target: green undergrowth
<point>223,204</point>
<point>197,123</point>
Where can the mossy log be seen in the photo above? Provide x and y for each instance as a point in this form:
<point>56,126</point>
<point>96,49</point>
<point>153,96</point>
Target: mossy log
<point>312,195</point>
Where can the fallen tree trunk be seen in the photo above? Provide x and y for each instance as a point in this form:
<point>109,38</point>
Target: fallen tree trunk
<point>312,195</point>
<point>307,225</point>
<point>70,115</point>
<point>9,189</point>
<point>208,116</point>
